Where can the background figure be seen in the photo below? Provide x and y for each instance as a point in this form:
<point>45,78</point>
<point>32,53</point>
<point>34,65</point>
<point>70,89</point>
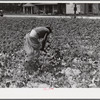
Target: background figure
<point>75,9</point>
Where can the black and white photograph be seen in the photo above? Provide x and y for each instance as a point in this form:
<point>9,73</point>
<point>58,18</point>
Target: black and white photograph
<point>49,45</point>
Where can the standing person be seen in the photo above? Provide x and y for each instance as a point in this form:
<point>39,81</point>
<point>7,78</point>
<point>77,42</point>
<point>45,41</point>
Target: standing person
<point>75,9</point>
<point>1,13</point>
<point>33,45</point>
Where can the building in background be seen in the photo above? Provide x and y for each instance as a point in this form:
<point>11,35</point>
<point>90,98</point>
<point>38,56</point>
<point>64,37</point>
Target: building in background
<point>90,9</point>
<point>70,8</point>
<point>51,8</point>
<point>28,8</point>
<point>84,8</point>
<point>45,8</point>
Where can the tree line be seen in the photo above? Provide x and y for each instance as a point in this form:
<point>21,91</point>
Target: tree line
<point>11,7</point>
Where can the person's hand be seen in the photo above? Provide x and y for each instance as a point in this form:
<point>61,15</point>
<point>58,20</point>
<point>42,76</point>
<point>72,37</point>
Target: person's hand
<point>43,50</point>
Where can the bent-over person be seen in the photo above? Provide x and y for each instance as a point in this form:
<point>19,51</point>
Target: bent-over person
<point>33,45</point>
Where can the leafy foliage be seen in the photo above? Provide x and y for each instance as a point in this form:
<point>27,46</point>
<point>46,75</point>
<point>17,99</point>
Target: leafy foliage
<point>72,58</point>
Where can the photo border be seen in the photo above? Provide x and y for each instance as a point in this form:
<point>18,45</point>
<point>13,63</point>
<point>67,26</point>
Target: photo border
<point>47,93</point>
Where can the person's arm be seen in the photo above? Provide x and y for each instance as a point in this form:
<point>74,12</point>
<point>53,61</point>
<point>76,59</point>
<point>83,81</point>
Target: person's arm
<point>44,42</point>
<point>45,37</point>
